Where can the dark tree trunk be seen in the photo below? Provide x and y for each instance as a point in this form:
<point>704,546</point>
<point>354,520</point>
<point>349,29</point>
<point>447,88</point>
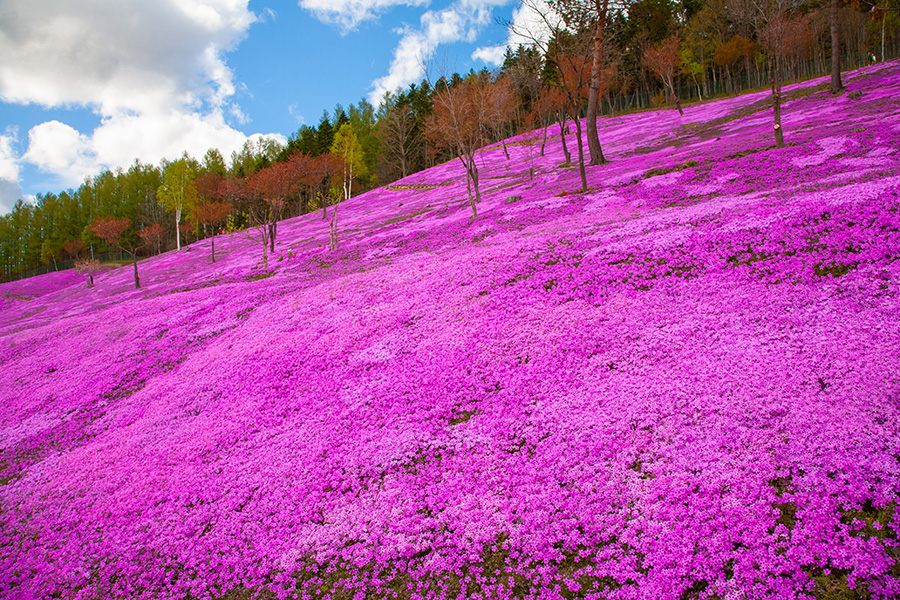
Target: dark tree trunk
<point>562,135</point>
<point>593,137</point>
<point>580,143</point>
<point>137,282</point>
<point>212,246</point>
<point>836,84</point>
<point>544,139</point>
<point>775,79</point>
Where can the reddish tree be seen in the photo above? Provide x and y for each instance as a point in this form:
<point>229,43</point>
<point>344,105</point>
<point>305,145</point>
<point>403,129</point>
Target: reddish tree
<point>74,248</point>
<point>88,266</point>
<point>151,235</point>
<point>662,60</point>
<point>319,176</point>
<point>213,214</point>
<point>116,233</point>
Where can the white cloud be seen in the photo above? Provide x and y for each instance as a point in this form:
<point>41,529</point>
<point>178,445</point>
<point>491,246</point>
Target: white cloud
<point>492,55</point>
<point>154,72</point>
<point>57,148</point>
<point>10,190</point>
<point>532,23</point>
<point>462,21</point>
<point>349,14</point>
<point>9,166</point>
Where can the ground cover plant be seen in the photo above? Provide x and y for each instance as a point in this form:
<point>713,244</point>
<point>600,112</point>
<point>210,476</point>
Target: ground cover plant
<point>681,383</point>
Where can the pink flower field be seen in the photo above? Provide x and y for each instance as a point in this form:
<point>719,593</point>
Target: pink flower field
<point>682,383</point>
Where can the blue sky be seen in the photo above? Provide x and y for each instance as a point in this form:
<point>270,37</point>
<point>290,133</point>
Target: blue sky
<point>88,85</point>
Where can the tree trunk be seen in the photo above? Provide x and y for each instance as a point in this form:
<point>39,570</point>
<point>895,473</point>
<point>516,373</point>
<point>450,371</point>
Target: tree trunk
<point>581,170</point>
<point>212,246</point>
<point>675,98</point>
<point>836,85</point>
<point>137,282</point>
<point>470,167</point>
<point>544,139</point>
<point>178,227</point>
<point>593,137</point>
<point>562,136</point>
<point>775,77</point>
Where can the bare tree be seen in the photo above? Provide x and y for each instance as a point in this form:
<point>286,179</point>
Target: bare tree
<point>662,60</point>
<point>461,120</point>
<point>774,25</point>
<point>399,134</point>
<point>555,31</point>
<point>86,265</point>
<point>502,103</point>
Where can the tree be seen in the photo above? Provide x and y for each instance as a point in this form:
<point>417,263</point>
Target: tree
<point>461,116</point>
<point>836,85</point>
<point>213,214</point>
<point>346,145</point>
<point>662,60</point>
<point>116,232</point>
<point>774,25</point>
<point>399,134</point>
<point>75,248</point>
<point>318,176</point>
<point>557,29</point>
<point>89,266</point>
<point>178,192</point>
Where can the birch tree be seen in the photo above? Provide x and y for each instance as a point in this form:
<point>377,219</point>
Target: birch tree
<point>178,193</point>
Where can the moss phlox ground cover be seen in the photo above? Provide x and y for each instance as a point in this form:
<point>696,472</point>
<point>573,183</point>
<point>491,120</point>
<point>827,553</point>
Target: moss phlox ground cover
<point>681,383</point>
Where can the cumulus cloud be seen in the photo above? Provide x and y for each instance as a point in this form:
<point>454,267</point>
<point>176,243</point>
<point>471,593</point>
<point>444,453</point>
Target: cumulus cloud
<point>461,21</point>
<point>154,71</point>
<point>349,14</point>
<point>10,190</point>
<point>492,55</point>
<point>532,23</point>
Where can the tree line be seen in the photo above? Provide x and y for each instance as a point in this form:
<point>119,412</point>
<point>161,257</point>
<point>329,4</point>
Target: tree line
<point>583,58</point>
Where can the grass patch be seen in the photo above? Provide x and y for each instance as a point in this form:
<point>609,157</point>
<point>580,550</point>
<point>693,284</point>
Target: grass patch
<point>409,216</point>
<point>665,170</point>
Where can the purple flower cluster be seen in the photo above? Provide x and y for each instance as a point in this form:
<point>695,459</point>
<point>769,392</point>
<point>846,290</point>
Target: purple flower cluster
<point>682,383</point>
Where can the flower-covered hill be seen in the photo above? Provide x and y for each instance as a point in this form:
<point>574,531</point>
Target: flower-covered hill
<point>681,383</point>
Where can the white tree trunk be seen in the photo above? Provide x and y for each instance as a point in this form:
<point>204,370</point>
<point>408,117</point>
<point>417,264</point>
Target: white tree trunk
<point>178,226</point>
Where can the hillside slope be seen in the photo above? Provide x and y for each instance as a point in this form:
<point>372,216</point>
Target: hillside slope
<point>684,383</point>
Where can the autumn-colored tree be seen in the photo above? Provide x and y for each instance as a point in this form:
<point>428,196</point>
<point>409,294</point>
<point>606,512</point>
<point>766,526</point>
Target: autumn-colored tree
<point>151,235</point>
<point>319,175</point>
<point>729,52</point>
<point>574,70</point>
<point>570,47</point>
<point>74,248</point>
<point>501,105</point>
<point>275,184</point>
<point>87,265</point>
<point>460,121</point>
<point>551,103</point>
<point>117,233</point>
<point>662,59</point>
<point>212,214</point>
<point>591,16</point>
